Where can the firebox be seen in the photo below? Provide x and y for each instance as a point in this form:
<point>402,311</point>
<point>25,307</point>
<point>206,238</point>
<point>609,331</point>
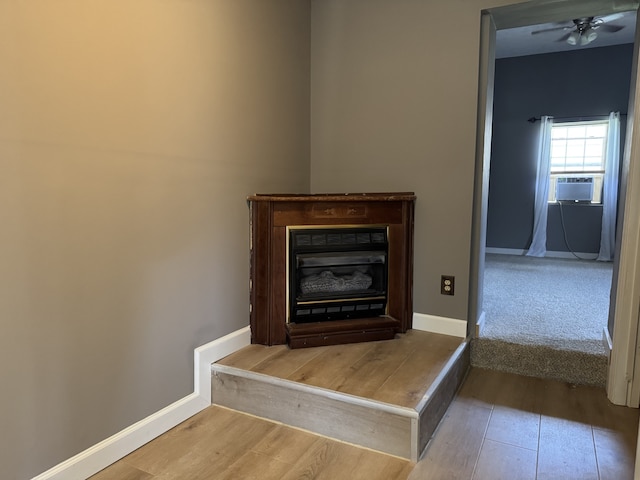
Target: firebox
<point>337,273</point>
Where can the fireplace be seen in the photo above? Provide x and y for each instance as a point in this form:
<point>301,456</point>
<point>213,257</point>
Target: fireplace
<point>337,273</point>
<point>329,269</point>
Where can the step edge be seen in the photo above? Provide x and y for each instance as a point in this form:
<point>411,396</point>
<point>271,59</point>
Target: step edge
<point>444,372</point>
<point>302,387</point>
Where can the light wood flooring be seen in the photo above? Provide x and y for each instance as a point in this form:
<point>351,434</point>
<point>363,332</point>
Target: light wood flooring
<point>505,426</point>
<point>397,371</point>
<point>223,444</point>
<point>499,426</point>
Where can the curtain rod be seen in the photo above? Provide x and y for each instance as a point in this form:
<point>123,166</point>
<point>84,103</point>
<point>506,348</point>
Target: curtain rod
<point>537,119</point>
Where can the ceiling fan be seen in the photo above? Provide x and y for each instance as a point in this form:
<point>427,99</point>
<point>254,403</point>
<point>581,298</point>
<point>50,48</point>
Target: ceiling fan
<point>584,30</point>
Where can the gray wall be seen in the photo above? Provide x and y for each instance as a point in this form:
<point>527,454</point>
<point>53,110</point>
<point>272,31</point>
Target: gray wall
<point>130,135</point>
<point>393,105</point>
<point>567,84</point>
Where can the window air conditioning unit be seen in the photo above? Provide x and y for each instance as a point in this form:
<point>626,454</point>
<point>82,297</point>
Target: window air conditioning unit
<point>574,189</point>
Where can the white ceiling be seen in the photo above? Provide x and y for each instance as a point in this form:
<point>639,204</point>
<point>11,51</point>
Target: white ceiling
<point>516,42</point>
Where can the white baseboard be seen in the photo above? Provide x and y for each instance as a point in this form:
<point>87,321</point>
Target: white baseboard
<point>443,325</point>
<point>210,353</point>
<point>606,340</point>
<point>480,323</point>
<point>505,251</point>
<point>549,254</point>
<point>103,454</point>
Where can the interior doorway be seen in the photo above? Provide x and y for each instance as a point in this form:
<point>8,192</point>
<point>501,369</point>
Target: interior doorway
<point>505,17</point>
<point>553,308</point>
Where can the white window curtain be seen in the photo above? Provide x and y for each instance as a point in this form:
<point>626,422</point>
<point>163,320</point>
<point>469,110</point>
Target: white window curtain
<point>610,189</point>
<point>538,246</point>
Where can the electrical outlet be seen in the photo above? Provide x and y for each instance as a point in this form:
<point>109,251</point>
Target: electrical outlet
<point>447,284</point>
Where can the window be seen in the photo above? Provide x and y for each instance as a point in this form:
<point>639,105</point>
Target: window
<point>578,151</point>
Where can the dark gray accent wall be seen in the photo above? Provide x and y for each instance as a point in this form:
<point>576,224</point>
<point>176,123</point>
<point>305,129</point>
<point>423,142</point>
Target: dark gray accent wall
<point>577,84</point>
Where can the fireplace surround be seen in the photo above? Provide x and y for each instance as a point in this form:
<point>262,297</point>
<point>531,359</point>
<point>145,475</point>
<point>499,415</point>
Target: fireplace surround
<point>331,268</point>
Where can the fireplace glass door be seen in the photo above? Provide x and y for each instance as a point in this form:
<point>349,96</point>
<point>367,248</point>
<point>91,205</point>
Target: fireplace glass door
<point>337,273</point>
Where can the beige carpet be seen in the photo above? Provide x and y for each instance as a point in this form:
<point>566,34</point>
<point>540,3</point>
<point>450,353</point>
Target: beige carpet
<point>544,317</point>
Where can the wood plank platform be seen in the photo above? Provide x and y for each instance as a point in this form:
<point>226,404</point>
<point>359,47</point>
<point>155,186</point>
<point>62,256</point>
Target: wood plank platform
<point>386,395</point>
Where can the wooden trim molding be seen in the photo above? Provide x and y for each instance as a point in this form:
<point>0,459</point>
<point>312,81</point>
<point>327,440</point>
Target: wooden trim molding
<point>108,451</point>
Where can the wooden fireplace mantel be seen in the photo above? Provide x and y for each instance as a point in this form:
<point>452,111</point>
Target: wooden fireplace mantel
<point>270,217</point>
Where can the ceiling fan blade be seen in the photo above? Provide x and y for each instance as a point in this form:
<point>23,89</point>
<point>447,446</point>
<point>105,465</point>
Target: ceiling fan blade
<point>611,28</point>
<point>564,37</point>
<point>552,29</point>
<point>612,17</point>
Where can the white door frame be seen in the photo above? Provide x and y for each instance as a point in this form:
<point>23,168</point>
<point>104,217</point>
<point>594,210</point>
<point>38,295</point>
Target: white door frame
<point>623,383</point>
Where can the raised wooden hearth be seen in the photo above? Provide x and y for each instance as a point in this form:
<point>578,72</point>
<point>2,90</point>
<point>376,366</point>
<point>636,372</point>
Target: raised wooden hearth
<point>387,396</point>
<point>271,215</point>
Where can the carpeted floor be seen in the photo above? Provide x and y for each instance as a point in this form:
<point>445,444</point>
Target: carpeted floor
<point>544,317</point>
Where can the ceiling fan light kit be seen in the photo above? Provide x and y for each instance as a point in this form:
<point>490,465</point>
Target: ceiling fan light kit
<point>584,37</point>
<point>588,36</point>
<point>573,38</point>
